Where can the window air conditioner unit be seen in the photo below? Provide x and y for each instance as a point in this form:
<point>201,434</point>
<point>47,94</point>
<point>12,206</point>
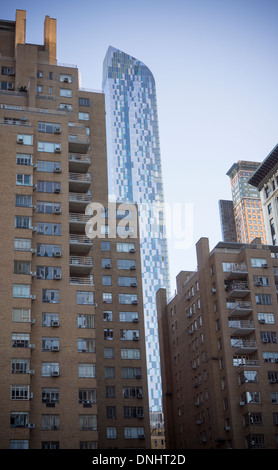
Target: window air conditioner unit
<point>265,265</point>
<point>141,436</point>
<point>213,290</point>
<point>57,169</point>
<point>66,80</point>
<point>33,206</point>
<point>57,130</point>
<point>57,254</point>
<point>132,268</point>
<point>57,150</point>
<point>34,186</point>
<point>262,321</point>
<point>31,372</point>
<point>57,191</point>
<point>54,323</point>
<point>54,373</point>
<point>33,273</point>
<point>227,428</point>
<point>31,425</point>
<point>34,229</point>
<point>107,266</point>
<point>32,297</point>
<point>31,346</point>
<point>20,140</point>
<point>32,321</point>
<point>33,250</point>
<point>138,376</point>
<point>57,276</point>
<point>55,348</point>
<point>132,250</point>
<point>57,210</point>
<point>133,284</point>
<point>135,320</point>
<point>241,403</point>
<point>135,302</point>
<point>135,338</point>
<point>31,395</point>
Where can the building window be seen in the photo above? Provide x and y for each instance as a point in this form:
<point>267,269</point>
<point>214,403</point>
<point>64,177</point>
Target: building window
<point>126,264</point>
<point>49,147</point>
<point>48,250</point>
<point>25,139</point>
<point>86,345</point>
<point>65,78</point>
<point>50,319</point>
<point>83,116</point>
<point>19,419</point>
<point>65,93</point>
<point>105,246</point>
<point>84,101</point>
<point>129,317</point>
<point>21,315</point>
<point>50,395</point>
<point>50,295</point>
<point>125,281</point>
<point>21,291</point>
<point>130,354</point>
<point>85,298</point>
<point>22,267</point>
<point>48,229</point>
<point>134,433</point>
<point>85,321</point>
<point>23,180</point>
<point>23,159</point>
<point>107,298</point>
<point>19,444</point>
<point>111,432</point>
<point>20,366</point>
<point>48,272</point>
<point>109,353</point>
<point>50,422</point>
<point>22,200</point>
<point>263,299</point>
<point>86,370</point>
<point>48,167</point>
<point>49,187</point>
<point>50,344</point>
<point>106,280</point>
<point>87,396</point>
<point>20,392</point>
<point>128,299</point>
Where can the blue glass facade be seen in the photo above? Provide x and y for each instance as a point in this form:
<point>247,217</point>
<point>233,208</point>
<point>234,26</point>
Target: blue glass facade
<point>134,175</point>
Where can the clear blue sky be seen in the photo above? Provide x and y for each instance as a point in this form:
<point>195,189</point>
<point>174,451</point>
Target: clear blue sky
<point>215,66</point>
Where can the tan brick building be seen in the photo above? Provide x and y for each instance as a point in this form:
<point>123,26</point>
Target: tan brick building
<point>219,352</point>
<point>73,369</point>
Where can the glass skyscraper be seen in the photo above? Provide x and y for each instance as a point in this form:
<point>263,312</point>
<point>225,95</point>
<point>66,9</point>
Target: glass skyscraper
<point>134,175</point>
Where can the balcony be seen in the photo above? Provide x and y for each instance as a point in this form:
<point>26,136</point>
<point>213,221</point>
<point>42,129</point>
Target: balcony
<point>79,182</point>
<point>243,346</point>
<point>242,327</point>
<point>80,265</point>
<point>78,143</point>
<point>78,162</point>
<point>78,222</point>
<point>239,308</point>
<point>82,281</point>
<point>238,289</point>
<point>79,201</point>
<point>237,271</point>
<point>80,244</point>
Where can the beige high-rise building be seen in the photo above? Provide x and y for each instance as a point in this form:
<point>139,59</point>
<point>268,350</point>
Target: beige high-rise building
<point>73,367</point>
<point>219,351</point>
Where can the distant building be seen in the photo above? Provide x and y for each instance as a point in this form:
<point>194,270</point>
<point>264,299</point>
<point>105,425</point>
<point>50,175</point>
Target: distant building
<point>135,175</point>
<point>247,203</point>
<point>227,220</point>
<point>265,180</point>
<point>219,350</point>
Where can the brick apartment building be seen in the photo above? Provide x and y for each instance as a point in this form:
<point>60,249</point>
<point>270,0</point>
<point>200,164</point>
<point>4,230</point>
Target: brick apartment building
<point>73,368</point>
<point>219,351</point>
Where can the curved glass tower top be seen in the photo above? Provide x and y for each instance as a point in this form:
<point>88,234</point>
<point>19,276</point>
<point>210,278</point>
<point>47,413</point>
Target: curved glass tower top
<point>134,175</point>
